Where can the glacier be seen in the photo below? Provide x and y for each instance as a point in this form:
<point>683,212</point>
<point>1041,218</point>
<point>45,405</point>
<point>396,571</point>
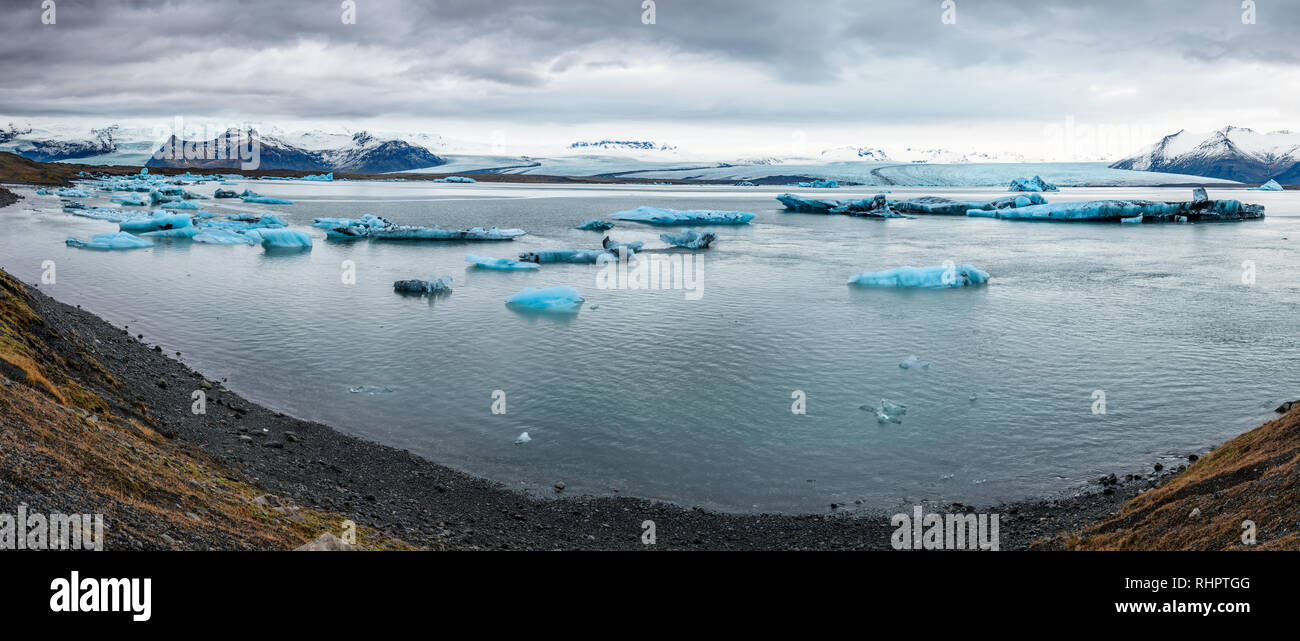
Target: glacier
<point>562,298</point>
<point>1032,184</point>
<point>115,240</point>
<point>690,239</point>
<point>503,264</point>
<point>662,216</point>
<point>934,277</point>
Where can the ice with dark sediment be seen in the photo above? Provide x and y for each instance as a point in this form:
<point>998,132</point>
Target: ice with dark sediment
<point>690,239</point>
<point>568,256</point>
<point>663,216</point>
<point>409,232</point>
<point>1132,211</point>
<point>877,206</point>
<point>938,205</point>
<point>1032,184</point>
<point>502,264</point>
<point>433,286</point>
<point>595,224</point>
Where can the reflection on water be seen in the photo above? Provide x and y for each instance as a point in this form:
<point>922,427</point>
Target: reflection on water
<point>653,393</point>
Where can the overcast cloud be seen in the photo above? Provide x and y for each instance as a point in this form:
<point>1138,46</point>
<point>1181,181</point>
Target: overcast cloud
<point>708,74</point>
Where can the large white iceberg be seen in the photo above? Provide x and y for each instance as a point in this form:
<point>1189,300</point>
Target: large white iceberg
<point>935,277</point>
<point>662,216</point>
<point>503,264</point>
<point>115,240</point>
<point>557,299</point>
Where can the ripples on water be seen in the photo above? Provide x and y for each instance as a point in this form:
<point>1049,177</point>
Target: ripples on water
<point>651,394</point>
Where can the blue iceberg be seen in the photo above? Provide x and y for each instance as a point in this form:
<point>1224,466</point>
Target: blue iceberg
<point>156,221</point>
<point>284,238</point>
<point>877,206</point>
<point>267,200</point>
<point>1032,184</point>
<point>503,264</point>
<point>218,236</point>
<point>455,179</point>
<point>820,184</point>
<point>406,232</point>
<point>1271,185</point>
<point>912,362</point>
<point>188,231</point>
<point>939,205</point>
<point>568,256</point>
<point>690,239</point>
<point>1132,210</point>
<point>556,299</point>
<point>595,224</point>
<point>661,216</point>
<point>72,192</point>
<point>936,277</point>
<point>115,240</point>
<point>325,178</point>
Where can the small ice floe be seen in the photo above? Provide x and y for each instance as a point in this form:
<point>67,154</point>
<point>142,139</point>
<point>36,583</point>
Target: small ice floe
<point>225,193</point>
<point>933,277</point>
<point>72,192</point>
<point>188,231</point>
<point>369,389</point>
<point>267,200</point>
<point>431,287</point>
<point>567,256</point>
<point>595,224</point>
<point>218,236</point>
<point>408,232</point>
<point>557,299</point>
<point>350,228</point>
<point>888,411</point>
<point>1032,184</point>
<point>912,362</point>
<point>522,438</point>
<point>612,245</point>
<point>284,239</point>
<point>455,179</point>
<point>1271,185</point>
<point>503,264</point>
<point>320,177</point>
<point>662,216</point>
<point>690,239</point>
<point>116,240</point>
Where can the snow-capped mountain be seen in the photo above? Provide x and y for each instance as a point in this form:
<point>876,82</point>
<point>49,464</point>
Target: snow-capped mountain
<point>1233,153</point>
<point>101,141</point>
<point>915,155</point>
<point>634,146</point>
<point>311,151</point>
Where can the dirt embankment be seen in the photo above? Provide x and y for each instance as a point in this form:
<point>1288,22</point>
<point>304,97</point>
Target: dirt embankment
<point>1247,489</point>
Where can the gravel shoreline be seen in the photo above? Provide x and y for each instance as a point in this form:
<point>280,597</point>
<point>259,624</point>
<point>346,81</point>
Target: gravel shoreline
<point>430,505</point>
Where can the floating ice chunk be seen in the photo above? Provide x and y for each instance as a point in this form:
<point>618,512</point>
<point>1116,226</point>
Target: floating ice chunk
<point>42,192</point>
<point>115,240</point>
<point>284,238</point>
<point>407,232</point>
<point>661,216</point>
<point>225,193</point>
<point>217,236</point>
<point>557,299</point>
<point>267,200</point>
<point>1271,185</point>
<point>259,220</point>
<point>612,245</point>
<point>104,213</point>
<point>320,177</point>
<point>351,228</point>
<point>188,231</point>
<point>820,184</point>
<point>369,389</point>
<point>595,224</point>
<point>523,438</point>
<point>949,207</point>
<point>568,256</point>
<point>433,286</point>
<point>504,264</point>
<point>1117,210</point>
<point>134,200</point>
<point>184,204</point>
<point>888,412</point>
<point>72,192</point>
<point>1032,184</point>
<point>155,221</point>
<point>934,277</point>
<point>455,179</point>
<point>877,206</point>
<point>690,239</point>
<point>805,205</point>
<point>912,362</point>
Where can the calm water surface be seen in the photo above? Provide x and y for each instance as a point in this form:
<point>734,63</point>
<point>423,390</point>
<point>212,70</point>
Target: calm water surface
<point>651,393</point>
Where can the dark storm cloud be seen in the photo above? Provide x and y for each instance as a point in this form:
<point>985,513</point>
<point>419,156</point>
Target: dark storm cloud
<point>750,59</point>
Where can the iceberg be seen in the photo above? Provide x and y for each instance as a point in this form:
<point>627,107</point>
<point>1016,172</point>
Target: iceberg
<point>557,299</point>
<point>407,232</point>
<point>820,184</point>
<point>934,277</point>
<point>349,228</point>
<point>888,412</point>
<point>568,256</point>
<point>267,200</point>
<point>104,213</point>
<point>1032,184</point>
<point>690,239</point>
<point>595,224</point>
<point>948,207</point>
<point>1118,210</point>
<point>218,236</point>
<point>76,192</point>
<point>188,231</point>
<point>455,179</point>
<point>661,216</point>
<point>877,206</point>
<point>912,362</point>
<point>115,240</point>
<point>134,200</point>
<point>369,389</point>
<point>156,221</point>
<point>433,286</point>
<point>183,205</point>
<point>284,238</point>
<point>259,220</point>
<point>503,264</point>
<point>613,246</point>
<point>1271,185</point>
<point>225,193</point>
<point>325,178</point>
<point>523,438</point>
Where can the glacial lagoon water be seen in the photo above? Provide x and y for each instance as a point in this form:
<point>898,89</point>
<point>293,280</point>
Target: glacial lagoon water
<point>686,396</point>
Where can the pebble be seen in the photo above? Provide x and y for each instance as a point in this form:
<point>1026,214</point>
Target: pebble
<point>559,486</point>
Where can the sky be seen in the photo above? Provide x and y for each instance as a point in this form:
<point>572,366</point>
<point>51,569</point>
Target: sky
<point>1065,80</point>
